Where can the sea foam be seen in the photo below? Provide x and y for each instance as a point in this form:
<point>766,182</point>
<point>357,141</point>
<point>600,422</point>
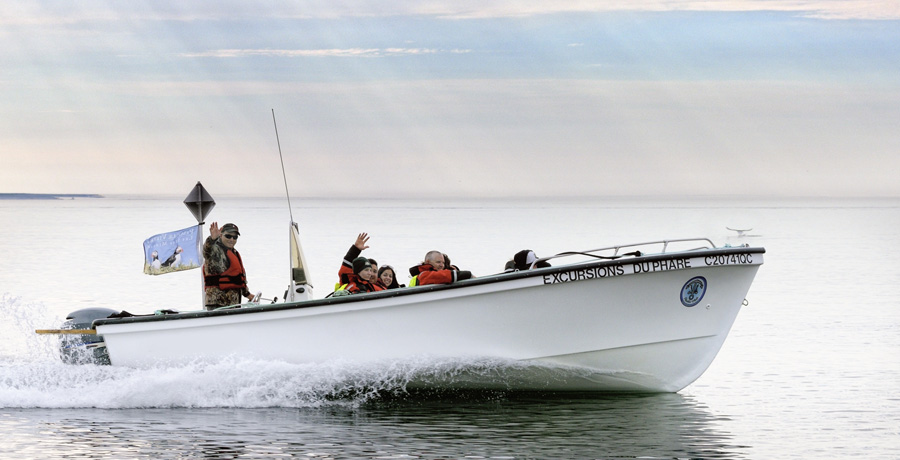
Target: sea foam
<point>33,376</point>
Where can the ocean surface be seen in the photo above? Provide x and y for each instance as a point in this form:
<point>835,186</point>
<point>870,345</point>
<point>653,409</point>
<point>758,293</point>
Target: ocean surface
<point>811,368</point>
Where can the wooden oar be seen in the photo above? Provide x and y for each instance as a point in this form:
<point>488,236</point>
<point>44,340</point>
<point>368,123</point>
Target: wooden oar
<point>66,331</point>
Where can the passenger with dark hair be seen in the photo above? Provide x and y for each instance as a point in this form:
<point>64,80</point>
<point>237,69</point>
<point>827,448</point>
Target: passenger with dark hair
<point>448,265</point>
<point>525,259</point>
<point>388,278</point>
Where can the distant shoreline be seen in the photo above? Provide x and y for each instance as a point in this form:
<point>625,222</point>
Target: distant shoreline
<point>47,196</point>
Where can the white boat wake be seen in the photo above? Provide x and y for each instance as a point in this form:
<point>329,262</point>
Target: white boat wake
<point>243,383</point>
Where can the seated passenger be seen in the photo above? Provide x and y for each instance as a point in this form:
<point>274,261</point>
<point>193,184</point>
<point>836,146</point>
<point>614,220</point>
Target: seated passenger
<point>354,252</point>
<point>448,265</point>
<point>362,279</point>
<point>523,260</point>
<point>356,273</point>
<point>432,271</point>
<point>388,278</point>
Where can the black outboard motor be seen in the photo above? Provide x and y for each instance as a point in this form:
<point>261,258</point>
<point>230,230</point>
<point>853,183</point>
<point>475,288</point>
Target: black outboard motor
<point>84,348</point>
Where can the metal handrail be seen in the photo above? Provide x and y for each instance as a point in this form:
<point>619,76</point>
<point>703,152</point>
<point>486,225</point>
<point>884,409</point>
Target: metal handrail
<point>616,249</point>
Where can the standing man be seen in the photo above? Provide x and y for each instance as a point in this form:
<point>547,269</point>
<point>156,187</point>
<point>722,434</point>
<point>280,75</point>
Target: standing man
<point>223,270</point>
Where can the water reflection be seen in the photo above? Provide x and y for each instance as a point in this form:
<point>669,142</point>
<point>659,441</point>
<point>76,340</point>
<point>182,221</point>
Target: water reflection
<point>492,425</point>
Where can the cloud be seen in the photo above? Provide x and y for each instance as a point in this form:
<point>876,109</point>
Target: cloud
<point>562,104</point>
<point>484,137</point>
<point>348,52</point>
<point>45,12</point>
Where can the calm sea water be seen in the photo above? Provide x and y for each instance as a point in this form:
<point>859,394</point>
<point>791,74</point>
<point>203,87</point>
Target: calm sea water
<point>811,368</point>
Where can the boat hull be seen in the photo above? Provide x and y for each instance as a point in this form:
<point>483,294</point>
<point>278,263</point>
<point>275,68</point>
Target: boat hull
<point>600,326</point>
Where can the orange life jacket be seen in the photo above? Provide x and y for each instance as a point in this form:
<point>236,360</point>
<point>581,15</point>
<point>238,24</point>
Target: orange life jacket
<point>233,277</point>
<point>356,284</point>
<point>428,275</point>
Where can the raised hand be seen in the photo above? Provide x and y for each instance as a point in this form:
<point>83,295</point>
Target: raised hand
<point>361,241</point>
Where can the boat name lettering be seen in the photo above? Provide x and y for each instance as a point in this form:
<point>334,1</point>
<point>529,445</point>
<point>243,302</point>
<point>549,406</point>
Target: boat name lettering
<point>661,265</point>
<point>729,259</point>
<point>584,274</point>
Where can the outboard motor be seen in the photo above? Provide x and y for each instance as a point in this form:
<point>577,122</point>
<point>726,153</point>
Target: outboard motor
<point>84,348</point>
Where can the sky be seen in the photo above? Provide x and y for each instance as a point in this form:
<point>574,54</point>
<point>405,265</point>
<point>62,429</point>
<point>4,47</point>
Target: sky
<point>433,98</point>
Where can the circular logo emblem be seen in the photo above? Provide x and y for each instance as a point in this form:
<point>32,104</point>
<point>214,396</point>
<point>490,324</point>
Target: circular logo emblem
<point>693,290</point>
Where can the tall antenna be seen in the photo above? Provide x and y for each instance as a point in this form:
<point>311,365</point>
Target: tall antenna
<point>283,175</point>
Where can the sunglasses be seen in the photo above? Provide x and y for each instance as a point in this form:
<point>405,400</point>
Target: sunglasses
<point>230,236</point>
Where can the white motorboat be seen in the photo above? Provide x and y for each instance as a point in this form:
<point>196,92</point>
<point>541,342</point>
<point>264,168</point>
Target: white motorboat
<point>651,320</point>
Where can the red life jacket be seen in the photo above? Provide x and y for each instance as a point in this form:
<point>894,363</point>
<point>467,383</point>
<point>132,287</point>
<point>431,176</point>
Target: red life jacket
<point>347,265</point>
<point>356,285</point>
<point>428,275</point>
<point>233,277</point>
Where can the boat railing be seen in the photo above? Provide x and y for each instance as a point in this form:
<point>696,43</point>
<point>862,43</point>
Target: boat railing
<point>617,250</point>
